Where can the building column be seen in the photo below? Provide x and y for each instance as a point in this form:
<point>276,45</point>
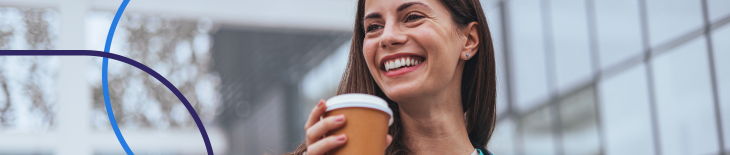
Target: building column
<point>74,92</point>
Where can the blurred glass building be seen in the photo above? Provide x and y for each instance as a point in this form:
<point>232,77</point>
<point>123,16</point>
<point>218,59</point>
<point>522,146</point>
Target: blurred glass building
<point>574,77</point>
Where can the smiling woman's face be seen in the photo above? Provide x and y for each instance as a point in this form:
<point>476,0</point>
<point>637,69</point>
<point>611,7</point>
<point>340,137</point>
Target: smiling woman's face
<point>412,47</point>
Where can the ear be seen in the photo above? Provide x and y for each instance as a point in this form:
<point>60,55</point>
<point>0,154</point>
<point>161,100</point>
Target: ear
<point>471,44</point>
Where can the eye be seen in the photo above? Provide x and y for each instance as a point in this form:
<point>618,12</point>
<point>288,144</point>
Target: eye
<point>413,17</point>
<point>373,27</point>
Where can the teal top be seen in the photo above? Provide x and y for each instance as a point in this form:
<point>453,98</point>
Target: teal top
<point>482,153</point>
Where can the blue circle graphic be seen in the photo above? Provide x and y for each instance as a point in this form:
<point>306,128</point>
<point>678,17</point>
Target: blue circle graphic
<point>129,61</point>
<point>104,80</point>
<point>106,55</point>
<point>107,102</point>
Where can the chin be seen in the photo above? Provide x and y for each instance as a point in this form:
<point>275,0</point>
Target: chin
<point>404,91</point>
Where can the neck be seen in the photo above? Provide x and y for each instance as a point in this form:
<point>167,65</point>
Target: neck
<point>435,125</point>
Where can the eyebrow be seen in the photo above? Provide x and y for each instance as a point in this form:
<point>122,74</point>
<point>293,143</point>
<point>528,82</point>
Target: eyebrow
<point>373,15</point>
<point>399,9</point>
<point>409,4</point>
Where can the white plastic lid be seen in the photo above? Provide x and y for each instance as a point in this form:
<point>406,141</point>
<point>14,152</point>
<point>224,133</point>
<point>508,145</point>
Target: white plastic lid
<point>359,100</point>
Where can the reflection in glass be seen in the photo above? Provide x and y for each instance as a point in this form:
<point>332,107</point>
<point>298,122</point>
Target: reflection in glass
<point>625,113</point>
<point>579,122</point>
<point>721,48</point>
<point>537,131</point>
<point>685,107</point>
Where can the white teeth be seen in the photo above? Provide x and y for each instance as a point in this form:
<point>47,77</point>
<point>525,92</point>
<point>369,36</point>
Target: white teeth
<point>397,63</point>
<point>390,65</point>
<point>386,65</point>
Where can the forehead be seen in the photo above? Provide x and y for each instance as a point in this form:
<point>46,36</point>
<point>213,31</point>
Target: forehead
<point>384,6</point>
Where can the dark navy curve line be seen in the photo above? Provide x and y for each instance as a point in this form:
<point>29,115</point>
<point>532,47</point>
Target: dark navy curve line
<point>105,83</point>
<point>127,61</point>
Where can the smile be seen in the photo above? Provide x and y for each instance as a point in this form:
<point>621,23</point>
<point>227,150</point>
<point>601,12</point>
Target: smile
<point>398,64</point>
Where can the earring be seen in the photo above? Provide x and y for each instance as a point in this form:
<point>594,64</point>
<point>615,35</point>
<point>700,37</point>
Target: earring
<point>467,55</point>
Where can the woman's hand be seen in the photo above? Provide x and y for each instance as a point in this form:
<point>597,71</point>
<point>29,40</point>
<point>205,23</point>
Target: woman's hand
<point>315,128</point>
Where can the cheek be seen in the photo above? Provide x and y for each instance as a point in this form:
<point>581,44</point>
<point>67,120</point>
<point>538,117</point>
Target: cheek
<point>426,36</point>
<point>369,52</point>
<point>435,41</point>
<point>443,55</point>
<point>368,47</point>
<point>430,36</point>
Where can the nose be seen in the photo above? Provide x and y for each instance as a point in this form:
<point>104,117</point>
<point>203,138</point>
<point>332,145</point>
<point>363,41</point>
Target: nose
<point>392,36</point>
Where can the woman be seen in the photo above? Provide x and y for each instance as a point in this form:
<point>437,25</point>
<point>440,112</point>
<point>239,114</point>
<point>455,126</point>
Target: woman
<point>433,61</point>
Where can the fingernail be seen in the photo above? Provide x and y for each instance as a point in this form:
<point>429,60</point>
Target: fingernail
<point>341,137</point>
<point>320,103</point>
<point>339,118</point>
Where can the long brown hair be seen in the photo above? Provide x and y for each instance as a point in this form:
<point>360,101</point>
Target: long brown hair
<point>478,84</point>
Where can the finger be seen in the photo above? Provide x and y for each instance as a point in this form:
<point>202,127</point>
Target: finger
<point>325,125</point>
<point>316,114</point>
<point>388,140</point>
<point>326,144</point>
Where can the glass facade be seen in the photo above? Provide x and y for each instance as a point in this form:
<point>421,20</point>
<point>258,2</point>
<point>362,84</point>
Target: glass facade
<point>722,52</point>
<point>27,92</point>
<point>613,77</point>
<point>176,48</point>
<point>625,113</point>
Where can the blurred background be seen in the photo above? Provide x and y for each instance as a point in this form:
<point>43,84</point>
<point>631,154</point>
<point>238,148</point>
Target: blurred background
<point>575,76</point>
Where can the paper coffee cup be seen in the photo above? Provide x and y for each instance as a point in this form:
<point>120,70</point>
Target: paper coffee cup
<point>366,126</point>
